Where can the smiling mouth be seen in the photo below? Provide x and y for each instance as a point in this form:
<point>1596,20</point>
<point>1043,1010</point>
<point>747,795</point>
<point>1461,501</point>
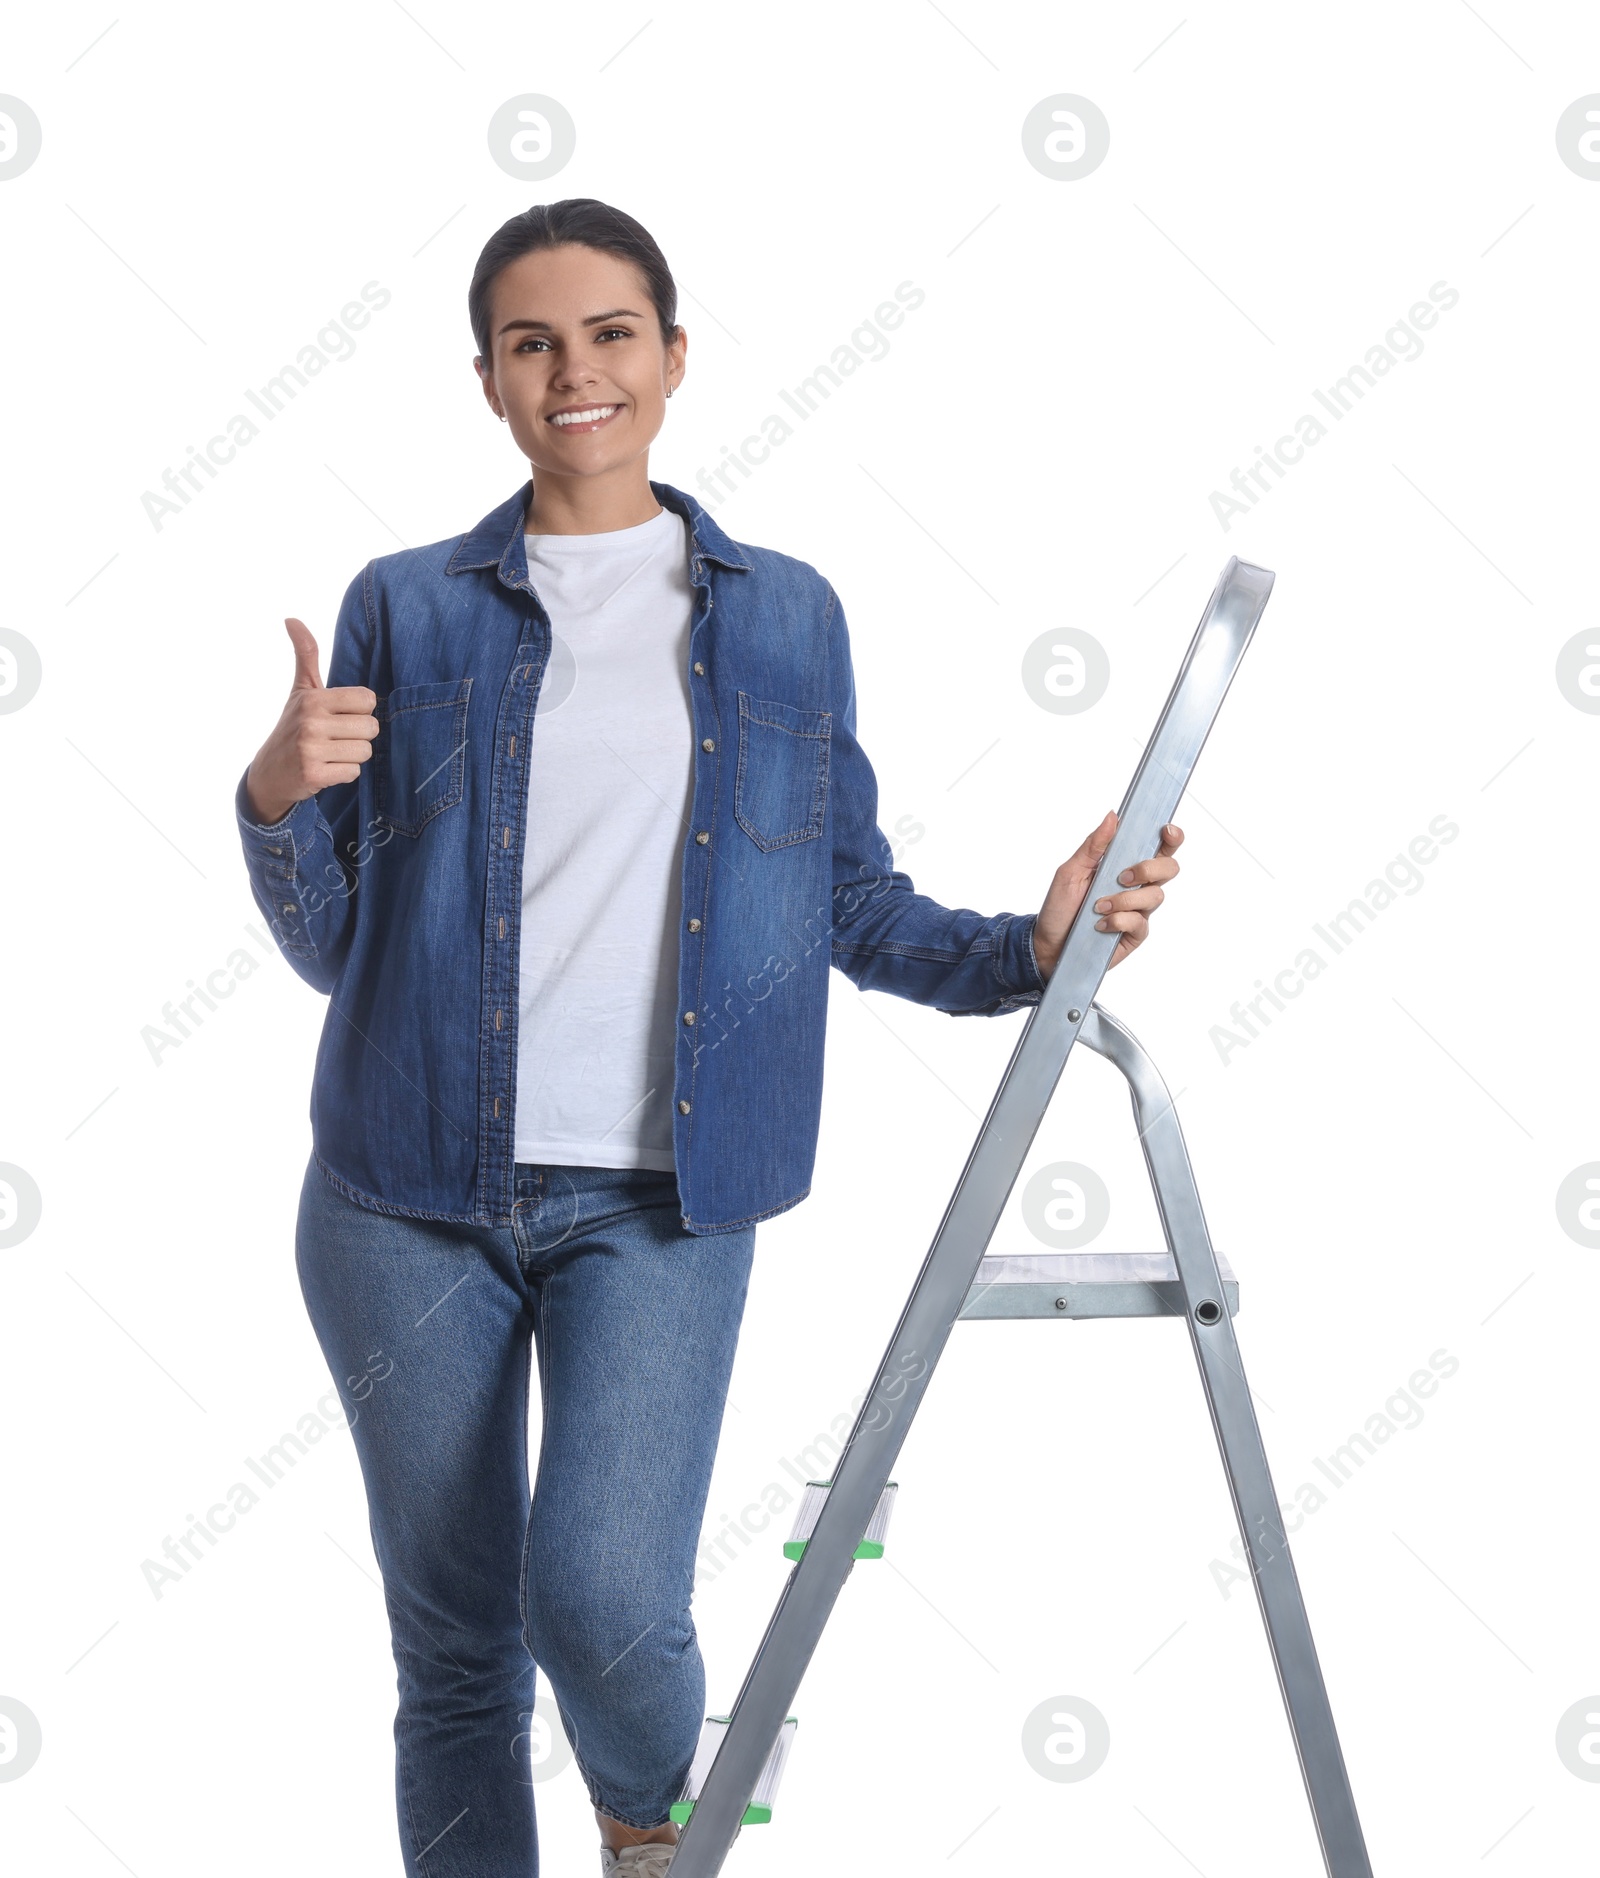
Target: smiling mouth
<point>587,418</point>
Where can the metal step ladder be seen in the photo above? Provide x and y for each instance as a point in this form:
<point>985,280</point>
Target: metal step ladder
<point>744,1752</point>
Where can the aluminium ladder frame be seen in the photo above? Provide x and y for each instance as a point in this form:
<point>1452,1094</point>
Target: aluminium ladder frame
<point>949,1288</point>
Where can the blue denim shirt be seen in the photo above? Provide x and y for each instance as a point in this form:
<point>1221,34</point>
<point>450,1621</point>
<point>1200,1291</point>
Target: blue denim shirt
<point>400,894</point>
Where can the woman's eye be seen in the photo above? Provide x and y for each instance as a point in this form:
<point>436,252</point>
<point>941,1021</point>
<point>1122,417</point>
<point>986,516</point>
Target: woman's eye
<point>624,332</point>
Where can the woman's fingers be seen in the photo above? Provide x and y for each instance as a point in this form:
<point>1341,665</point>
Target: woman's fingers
<point>1161,865</point>
<point>1134,900</point>
<point>1128,912</point>
<point>1133,924</point>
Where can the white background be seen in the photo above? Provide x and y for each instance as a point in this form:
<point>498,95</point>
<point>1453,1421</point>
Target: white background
<point>1038,449</point>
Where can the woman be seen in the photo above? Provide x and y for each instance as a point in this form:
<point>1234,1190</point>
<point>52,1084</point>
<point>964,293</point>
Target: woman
<point>570,838</point>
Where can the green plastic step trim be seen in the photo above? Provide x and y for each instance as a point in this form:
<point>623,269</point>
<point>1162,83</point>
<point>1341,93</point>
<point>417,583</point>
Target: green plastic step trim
<point>754,1815</point>
<point>680,1810</point>
<point>868,1548</point>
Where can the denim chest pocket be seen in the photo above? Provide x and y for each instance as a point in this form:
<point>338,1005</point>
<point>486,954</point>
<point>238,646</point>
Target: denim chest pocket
<point>419,760</point>
<point>780,790</point>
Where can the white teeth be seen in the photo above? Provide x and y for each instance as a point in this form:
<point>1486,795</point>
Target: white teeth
<point>583,417</point>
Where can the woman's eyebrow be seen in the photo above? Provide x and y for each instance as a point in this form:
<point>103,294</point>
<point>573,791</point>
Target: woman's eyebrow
<point>594,319</point>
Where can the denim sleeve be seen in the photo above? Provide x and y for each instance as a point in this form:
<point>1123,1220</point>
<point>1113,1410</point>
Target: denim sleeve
<point>303,871</point>
<point>886,935</point>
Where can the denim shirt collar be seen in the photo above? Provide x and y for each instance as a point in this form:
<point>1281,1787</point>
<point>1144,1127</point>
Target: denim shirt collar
<point>497,540</point>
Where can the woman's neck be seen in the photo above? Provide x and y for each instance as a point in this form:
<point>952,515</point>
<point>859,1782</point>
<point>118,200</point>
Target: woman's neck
<point>590,505</point>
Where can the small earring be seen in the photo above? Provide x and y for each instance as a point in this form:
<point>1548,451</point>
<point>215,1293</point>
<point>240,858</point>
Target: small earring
<point>669,391</point>
<point>502,416</point>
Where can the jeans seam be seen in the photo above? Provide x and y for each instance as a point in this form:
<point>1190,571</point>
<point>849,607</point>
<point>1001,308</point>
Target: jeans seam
<point>402,1745</point>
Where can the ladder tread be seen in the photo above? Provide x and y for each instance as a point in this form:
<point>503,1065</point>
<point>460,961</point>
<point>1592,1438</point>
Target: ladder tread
<point>1083,1284</point>
<point>809,1511</point>
<point>1084,1268</point>
<point>758,1809</point>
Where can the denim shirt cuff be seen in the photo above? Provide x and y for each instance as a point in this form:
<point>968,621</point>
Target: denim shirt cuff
<point>1017,963</point>
<point>281,838</point>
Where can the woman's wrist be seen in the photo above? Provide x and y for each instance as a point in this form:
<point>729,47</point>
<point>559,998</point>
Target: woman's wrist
<point>267,810</point>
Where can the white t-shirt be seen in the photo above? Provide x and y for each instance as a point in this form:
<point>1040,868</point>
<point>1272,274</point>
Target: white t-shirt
<point>611,776</point>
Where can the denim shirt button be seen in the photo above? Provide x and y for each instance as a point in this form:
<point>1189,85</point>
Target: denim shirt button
<point>694,925</point>
<point>704,836</point>
<point>688,1017</point>
<point>288,909</point>
<point>683,1107</point>
<point>700,670</point>
<point>707,744</point>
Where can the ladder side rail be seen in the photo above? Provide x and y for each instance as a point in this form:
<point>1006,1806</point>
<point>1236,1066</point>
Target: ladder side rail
<point>1244,1458</point>
<point>952,1261</point>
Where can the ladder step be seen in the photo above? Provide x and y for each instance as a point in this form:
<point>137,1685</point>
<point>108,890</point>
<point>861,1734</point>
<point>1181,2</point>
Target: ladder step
<point>759,1810</point>
<point>1071,1285</point>
<point>811,1504</point>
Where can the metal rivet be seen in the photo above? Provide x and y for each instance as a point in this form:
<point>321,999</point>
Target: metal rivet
<point>1208,1310</point>
<point>1061,1304</point>
<point>1073,1016</point>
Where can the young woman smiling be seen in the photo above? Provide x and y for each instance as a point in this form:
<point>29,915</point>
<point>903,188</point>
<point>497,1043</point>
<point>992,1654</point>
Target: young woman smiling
<point>570,838</point>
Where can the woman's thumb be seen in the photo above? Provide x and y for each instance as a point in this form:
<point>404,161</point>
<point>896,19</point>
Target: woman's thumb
<point>307,675</point>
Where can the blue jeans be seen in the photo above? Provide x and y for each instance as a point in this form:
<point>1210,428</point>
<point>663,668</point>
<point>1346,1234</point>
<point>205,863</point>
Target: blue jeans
<point>426,1326</point>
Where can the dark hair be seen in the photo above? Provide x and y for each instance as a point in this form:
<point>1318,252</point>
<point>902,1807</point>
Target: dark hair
<point>588,223</point>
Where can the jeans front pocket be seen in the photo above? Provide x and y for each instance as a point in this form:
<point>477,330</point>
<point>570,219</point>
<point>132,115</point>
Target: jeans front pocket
<point>780,790</point>
<point>419,760</point>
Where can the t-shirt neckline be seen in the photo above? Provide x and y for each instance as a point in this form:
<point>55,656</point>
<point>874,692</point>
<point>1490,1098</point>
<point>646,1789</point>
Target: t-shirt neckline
<point>638,534</point>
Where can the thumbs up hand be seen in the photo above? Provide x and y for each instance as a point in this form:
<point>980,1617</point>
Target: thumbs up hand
<point>323,736</point>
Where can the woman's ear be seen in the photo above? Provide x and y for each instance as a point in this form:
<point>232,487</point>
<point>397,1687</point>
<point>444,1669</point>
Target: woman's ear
<point>486,379</point>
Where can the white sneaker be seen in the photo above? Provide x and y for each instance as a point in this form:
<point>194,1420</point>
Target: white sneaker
<point>636,1861</point>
